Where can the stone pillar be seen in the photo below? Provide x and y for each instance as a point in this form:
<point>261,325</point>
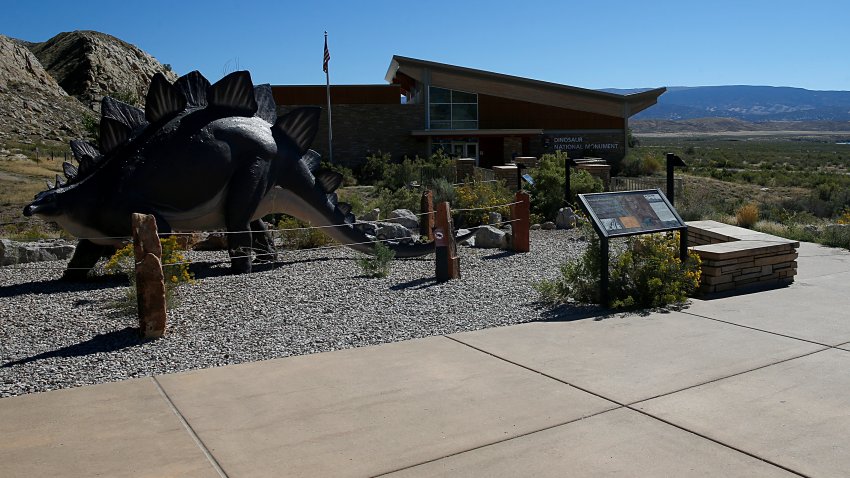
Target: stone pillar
<point>447,261</point>
<point>465,168</point>
<point>508,174</point>
<point>519,228</point>
<point>150,284</point>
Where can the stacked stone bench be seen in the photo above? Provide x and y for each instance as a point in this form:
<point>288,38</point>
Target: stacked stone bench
<point>736,258</point>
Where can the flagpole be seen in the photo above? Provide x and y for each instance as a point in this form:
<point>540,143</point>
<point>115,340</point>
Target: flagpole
<point>328,87</point>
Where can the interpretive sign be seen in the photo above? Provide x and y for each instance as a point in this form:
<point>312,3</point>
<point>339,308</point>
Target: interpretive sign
<point>627,213</point>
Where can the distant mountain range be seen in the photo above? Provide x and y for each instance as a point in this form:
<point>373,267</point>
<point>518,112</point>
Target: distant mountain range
<point>748,103</point>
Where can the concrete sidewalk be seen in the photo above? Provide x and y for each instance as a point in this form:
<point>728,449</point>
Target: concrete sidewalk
<point>749,385</point>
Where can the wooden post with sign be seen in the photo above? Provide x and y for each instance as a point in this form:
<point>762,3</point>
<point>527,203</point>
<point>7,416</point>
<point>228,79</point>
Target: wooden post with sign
<point>447,261</point>
<point>426,224</point>
<point>520,214</point>
<point>150,285</point>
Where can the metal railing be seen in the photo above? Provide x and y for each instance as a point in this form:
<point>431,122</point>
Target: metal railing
<point>630,184</point>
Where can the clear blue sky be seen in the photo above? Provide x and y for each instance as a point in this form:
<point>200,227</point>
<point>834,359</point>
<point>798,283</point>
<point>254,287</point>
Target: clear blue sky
<point>620,44</point>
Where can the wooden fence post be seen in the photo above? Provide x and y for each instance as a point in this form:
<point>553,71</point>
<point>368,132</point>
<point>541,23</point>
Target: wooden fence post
<point>447,261</point>
<point>520,214</point>
<point>426,227</point>
<point>150,285</point>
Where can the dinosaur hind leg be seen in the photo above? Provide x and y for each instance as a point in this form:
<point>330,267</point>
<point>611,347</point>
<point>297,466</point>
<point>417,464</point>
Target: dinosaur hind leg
<point>246,191</point>
<point>262,242</point>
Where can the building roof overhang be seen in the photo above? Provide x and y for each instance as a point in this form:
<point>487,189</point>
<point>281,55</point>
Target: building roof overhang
<point>521,89</point>
<point>475,132</point>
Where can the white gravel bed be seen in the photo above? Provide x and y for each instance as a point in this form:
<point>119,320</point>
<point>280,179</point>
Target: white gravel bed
<point>57,335</point>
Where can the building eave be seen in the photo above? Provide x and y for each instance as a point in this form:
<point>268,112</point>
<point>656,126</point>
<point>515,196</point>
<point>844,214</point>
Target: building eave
<point>522,89</point>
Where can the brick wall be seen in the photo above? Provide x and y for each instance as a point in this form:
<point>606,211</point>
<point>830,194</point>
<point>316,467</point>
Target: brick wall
<point>361,130</point>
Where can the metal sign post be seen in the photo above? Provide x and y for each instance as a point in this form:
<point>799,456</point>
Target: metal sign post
<point>672,161</point>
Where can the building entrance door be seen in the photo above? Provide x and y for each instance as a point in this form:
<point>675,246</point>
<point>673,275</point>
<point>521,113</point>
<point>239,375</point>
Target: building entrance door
<point>465,149</point>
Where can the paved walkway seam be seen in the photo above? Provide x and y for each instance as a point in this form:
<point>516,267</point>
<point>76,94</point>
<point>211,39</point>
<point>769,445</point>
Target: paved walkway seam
<point>687,430</point>
<point>630,407</point>
<point>213,462</point>
<point>496,442</point>
<point>758,330</point>
<point>537,372</point>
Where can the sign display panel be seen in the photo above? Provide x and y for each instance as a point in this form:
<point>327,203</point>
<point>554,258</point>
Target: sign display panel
<point>626,213</point>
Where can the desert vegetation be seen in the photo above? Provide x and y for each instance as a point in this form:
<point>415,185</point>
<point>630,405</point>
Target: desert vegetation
<point>795,187</point>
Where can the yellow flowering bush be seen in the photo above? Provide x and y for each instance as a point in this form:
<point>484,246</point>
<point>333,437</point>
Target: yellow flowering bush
<point>479,194</point>
<point>175,269</point>
<point>845,216</point>
<point>647,273</point>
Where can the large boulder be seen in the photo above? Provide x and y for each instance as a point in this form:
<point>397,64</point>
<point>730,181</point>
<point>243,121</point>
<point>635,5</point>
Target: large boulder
<point>494,218</point>
<point>372,215</point>
<point>405,217</point>
<point>13,252</point>
<point>391,230</point>
<point>489,237</point>
<point>566,219</point>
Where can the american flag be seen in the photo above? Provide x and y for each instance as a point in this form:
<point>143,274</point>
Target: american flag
<point>327,55</point>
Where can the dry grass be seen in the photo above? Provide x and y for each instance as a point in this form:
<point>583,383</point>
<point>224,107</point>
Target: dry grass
<point>20,181</point>
<point>747,215</point>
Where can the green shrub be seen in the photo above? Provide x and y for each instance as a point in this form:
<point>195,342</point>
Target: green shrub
<point>379,264</point>
<point>403,198</point>
<point>443,191</point>
<point>647,273</point>
<point>297,234</point>
<point>547,194</point>
<point>640,163</point>
<point>373,170</point>
<point>416,170</point>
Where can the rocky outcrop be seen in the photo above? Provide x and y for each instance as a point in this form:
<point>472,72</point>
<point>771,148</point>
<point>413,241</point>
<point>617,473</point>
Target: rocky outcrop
<point>32,104</point>
<point>89,65</point>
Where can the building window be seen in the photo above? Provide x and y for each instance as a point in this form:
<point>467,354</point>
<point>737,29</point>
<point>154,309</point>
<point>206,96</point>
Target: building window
<point>452,109</point>
<point>456,147</point>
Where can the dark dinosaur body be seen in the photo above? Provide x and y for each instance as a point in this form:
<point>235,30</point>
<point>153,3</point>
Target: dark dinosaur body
<point>200,157</point>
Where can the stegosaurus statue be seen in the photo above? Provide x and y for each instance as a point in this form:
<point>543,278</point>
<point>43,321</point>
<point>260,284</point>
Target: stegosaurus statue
<point>200,157</point>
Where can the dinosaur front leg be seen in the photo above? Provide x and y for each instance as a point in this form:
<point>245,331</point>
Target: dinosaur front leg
<point>262,242</point>
<point>86,255</point>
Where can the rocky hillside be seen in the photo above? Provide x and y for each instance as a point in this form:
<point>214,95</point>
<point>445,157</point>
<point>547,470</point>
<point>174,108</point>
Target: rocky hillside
<point>32,104</point>
<point>89,65</point>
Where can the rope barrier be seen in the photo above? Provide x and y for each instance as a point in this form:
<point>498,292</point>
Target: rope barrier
<point>476,182</point>
<point>486,207</point>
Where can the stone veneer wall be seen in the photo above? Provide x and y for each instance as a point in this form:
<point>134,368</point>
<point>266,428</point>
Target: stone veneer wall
<point>362,130</point>
<point>734,257</point>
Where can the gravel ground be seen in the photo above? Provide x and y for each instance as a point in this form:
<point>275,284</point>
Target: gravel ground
<point>57,335</point>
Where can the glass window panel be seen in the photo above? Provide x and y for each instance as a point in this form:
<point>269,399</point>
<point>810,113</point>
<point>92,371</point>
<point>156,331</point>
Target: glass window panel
<point>472,150</point>
<point>441,113</point>
<point>441,125</point>
<point>440,95</point>
<point>464,124</point>
<point>463,97</point>
<point>464,112</point>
